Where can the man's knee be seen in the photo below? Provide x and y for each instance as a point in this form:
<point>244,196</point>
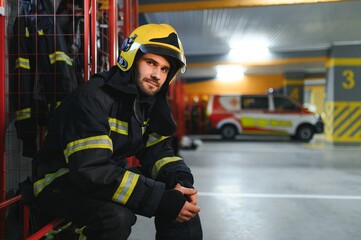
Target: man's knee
<point>125,218</point>
<point>115,222</point>
<point>171,230</point>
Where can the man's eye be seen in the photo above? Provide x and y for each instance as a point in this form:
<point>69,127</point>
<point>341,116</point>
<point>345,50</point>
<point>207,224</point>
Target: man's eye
<point>165,70</point>
<point>150,63</point>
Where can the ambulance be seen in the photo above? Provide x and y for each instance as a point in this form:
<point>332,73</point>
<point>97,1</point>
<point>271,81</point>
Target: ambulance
<point>269,114</point>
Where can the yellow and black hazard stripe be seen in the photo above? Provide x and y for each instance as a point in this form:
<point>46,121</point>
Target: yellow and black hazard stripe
<point>342,122</point>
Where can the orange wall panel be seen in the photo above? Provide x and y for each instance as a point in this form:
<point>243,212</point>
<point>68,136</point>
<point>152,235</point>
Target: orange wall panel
<point>255,84</point>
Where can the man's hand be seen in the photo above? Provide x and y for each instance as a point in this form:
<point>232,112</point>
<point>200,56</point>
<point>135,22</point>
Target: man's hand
<point>190,208</point>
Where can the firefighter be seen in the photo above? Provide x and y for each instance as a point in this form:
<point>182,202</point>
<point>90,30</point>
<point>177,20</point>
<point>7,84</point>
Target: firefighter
<point>81,170</point>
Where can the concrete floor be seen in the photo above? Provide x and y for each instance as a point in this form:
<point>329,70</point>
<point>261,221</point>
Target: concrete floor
<point>274,190</point>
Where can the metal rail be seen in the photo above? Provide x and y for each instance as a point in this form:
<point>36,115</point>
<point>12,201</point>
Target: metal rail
<point>2,119</point>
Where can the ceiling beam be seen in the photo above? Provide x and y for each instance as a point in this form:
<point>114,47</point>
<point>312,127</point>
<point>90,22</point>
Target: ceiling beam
<point>220,4</point>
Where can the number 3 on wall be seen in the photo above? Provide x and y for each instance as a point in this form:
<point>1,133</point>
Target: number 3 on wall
<point>349,81</point>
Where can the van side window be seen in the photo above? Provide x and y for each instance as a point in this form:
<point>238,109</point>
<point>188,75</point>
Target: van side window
<point>255,102</point>
<point>284,104</point>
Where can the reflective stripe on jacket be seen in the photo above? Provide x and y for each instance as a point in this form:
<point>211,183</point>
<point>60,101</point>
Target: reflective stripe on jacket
<point>42,72</point>
<point>89,138</point>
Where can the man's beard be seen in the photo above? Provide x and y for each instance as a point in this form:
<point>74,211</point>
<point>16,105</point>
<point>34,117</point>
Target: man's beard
<point>144,89</point>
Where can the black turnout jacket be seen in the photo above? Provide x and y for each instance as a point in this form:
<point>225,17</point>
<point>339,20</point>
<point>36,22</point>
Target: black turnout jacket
<point>93,131</point>
<point>42,71</point>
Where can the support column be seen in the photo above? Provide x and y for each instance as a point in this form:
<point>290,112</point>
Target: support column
<point>294,85</point>
<point>2,118</point>
<point>343,98</point>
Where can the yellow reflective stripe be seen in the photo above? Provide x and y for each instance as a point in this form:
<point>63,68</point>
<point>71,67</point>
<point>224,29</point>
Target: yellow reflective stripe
<point>49,178</point>
<point>41,32</point>
<point>59,56</point>
<point>155,138</point>
<point>126,187</point>
<point>118,126</point>
<point>144,127</point>
<point>143,130</point>
<point>57,104</point>
<point>23,114</point>
<point>160,163</point>
<point>27,32</point>
<point>102,141</point>
<point>22,63</point>
<point>80,232</point>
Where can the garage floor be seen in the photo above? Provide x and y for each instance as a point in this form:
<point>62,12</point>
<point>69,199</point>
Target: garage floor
<point>274,190</point>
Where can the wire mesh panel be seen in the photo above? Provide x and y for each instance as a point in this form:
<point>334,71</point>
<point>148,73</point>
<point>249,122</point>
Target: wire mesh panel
<point>44,63</point>
<point>46,56</point>
<point>16,166</point>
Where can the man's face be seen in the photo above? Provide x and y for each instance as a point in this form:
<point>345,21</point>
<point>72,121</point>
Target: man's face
<point>152,71</point>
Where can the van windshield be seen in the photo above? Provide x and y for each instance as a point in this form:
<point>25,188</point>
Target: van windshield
<point>284,104</point>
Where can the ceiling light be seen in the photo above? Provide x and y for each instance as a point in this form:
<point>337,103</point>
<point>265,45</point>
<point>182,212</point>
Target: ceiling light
<point>251,50</point>
<point>230,73</point>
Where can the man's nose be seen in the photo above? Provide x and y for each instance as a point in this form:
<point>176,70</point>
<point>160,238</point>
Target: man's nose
<point>156,73</point>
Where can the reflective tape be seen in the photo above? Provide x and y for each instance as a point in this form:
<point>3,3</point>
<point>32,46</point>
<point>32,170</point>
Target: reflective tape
<point>144,127</point>
<point>23,114</point>
<point>160,163</point>
<point>118,126</point>
<point>59,56</point>
<point>22,63</point>
<point>126,187</point>
<point>155,138</point>
<point>102,141</point>
<point>49,178</point>
<point>57,104</point>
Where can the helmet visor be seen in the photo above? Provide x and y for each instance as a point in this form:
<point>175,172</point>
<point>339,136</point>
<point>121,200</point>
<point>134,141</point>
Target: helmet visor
<point>160,50</point>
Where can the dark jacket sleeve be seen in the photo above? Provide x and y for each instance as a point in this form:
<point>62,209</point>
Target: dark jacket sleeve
<point>21,86</point>
<point>89,155</point>
<point>161,163</point>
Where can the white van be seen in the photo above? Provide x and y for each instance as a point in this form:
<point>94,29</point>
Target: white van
<point>230,115</point>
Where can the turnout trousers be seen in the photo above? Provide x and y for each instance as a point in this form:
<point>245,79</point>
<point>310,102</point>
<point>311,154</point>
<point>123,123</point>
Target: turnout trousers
<point>104,220</point>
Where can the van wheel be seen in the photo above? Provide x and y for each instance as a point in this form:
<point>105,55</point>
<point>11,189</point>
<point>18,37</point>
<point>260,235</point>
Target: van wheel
<point>304,133</point>
<point>228,131</point>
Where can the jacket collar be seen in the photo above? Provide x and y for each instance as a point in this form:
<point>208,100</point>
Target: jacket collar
<point>161,118</point>
<point>125,82</point>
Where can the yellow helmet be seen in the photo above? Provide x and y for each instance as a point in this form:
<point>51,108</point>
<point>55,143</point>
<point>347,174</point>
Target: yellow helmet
<point>160,39</point>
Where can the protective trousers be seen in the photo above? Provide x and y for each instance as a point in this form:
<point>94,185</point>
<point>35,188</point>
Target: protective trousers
<point>172,230</point>
<point>98,219</point>
<point>103,220</point>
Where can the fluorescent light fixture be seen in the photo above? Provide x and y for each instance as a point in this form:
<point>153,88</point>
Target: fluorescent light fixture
<point>230,73</point>
<point>250,50</point>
